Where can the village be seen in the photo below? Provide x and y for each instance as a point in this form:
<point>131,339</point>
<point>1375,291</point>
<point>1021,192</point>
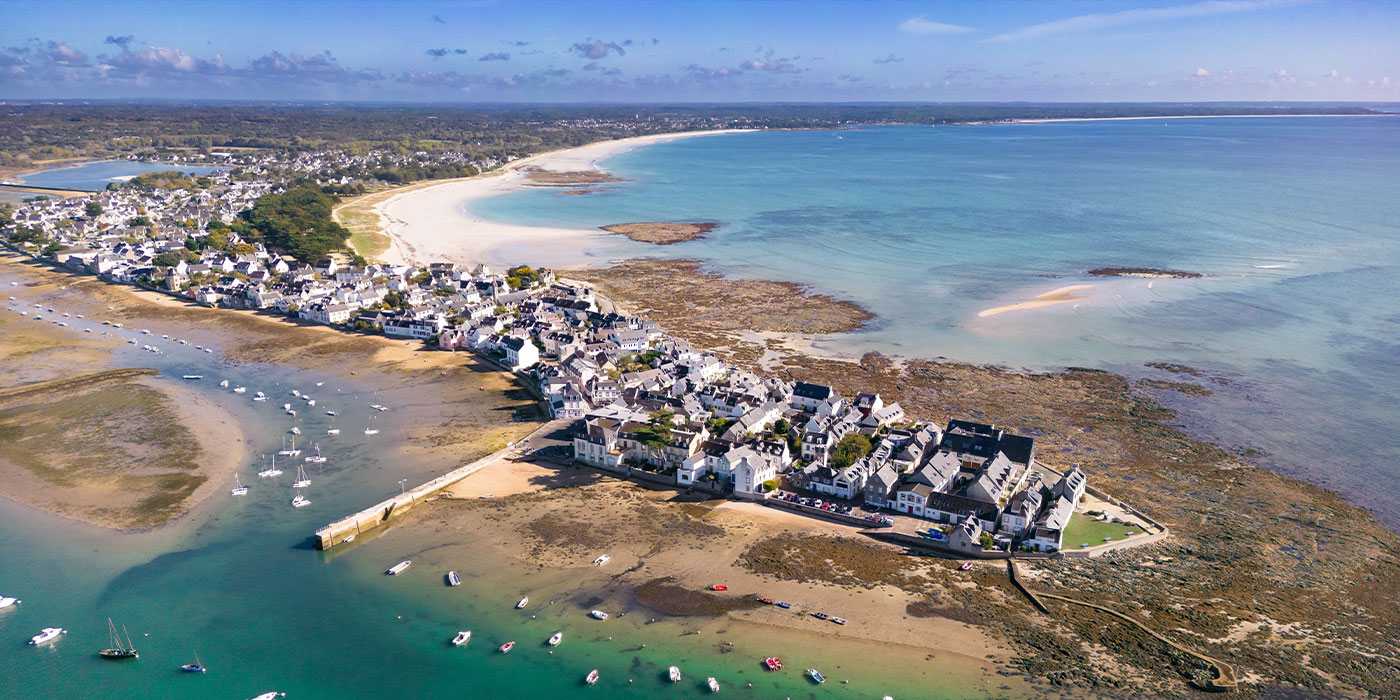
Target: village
<point>642,402</point>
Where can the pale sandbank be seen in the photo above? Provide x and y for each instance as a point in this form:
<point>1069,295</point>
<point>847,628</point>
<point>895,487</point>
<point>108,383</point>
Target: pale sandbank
<point>1062,295</point>
<point>431,223</point>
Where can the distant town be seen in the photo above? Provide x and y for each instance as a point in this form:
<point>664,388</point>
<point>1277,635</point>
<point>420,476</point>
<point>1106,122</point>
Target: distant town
<point>643,402</point>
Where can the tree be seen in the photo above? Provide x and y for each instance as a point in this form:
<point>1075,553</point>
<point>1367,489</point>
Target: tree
<point>138,221</point>
<point>297,222</point>
<point>92,209</point>
<point>849,449</point>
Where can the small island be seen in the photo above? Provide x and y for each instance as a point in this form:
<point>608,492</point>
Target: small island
<point>1142,272</point>
<point>568,178</point>
<point>662,233</point>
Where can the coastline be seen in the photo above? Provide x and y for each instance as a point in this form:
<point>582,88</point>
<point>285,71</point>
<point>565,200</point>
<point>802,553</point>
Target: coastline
<point>427,222</point>
<point>1177,116</point>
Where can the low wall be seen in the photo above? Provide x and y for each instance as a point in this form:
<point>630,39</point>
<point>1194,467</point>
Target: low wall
<point>934,546</point>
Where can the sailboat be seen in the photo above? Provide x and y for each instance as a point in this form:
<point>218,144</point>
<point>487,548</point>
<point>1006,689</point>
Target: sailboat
<point>300,500</point>
<point>196,667</point>
<point>117,651</point>
<point>317,458</point>
<point>302,480</point>
<point>238,488</point>
<point>224,384</point>
<point>294,451</point>
<point>273,471</point>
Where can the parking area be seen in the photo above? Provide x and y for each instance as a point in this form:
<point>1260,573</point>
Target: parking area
<point>839,507</point>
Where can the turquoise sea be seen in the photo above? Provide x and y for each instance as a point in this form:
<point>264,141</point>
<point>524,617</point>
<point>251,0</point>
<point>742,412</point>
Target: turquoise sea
<point>96,176</point>
<point>1292,220</point>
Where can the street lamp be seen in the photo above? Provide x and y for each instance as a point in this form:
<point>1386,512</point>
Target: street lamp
<point>401,486</point>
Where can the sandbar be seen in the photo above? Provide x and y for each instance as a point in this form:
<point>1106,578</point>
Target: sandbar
<point>429,223</point>
<point>1051,298</point>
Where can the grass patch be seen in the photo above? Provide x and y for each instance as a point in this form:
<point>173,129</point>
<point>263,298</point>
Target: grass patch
<point>1083,529</point>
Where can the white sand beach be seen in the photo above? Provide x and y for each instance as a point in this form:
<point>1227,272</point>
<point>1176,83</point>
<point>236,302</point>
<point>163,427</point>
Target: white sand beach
<point>427,223</point>
<point>1062,295</point>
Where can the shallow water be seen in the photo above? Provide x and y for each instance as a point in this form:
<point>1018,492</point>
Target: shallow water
<point>96,176</point>
<point>1292,220</point>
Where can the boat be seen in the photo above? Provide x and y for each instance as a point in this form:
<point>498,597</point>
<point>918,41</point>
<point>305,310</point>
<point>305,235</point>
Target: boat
<point>599,615</point>
<point>965,566</point>
<point>371,431</point>
<point>332,413</point>
<point>194,376</point>
<point>317,458</point>
<point>839,620</point>
<point>9,603</point>
<point>273,470</point>
<point>348,539</point>
<point>259,396</point>
<point>674,674</point>
<point>602,560</point>
<point>286,407</point>
<point>296,392</point>
<point>271,695</point>
<point>117,651</point>
<point>208,350</point>
<point>293,431</point>
<point>300,501</point>
<point>289,452</point>
<point>523,602</point>
<point>719,587</point>
<point>462,638</point>
<point>765,601</point>
<point>714,684</point>
<point>302,481</point>
<point>783,604</point>
<point>238,488</point>
<point>333,431</point>
<point>820,615</point>
<point>46,636</point>
<point>223,384</point>
<point>398,568</point>
<point>558,637</point>
<point>196,667</point>
<point>592,677</point>
<point>453,579</point>
<point>816,675</point>
<point>505,648</point>
<point>773,663</point>
<point>240,390</point>
<point>312,402</point>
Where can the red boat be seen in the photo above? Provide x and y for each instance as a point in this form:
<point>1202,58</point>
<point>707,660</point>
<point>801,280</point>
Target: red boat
<point>719,587</point>
<point>773,663</point>
<point>766,601</point>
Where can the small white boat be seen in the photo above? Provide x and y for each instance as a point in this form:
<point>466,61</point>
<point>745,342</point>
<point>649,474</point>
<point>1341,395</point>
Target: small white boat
<point>558,637</point>
<point>259,396</point>
<point>382,408</point>
<point>9,603</point>
<point>47,636</point>
<point>312,402</point>
<point>371,431</point>
<point>592,677</point>
<point>194,376</point>
<point>816,675</point>
<point>398,568</point>
<point>224,384</point>
<point>270,695</point>
<point>295,431</point>
<point>453,579</point>
<point>599,615</point>
<point>333,431</point>
<point>317,458</point>
<point>319,383</point>
<point>348,539</point>
<point>286,407</point>
<point>295,392</point>
<point>302,480</point>
<point>273,470</point>
<point>523,602</point>
<point>714,684</point>
<point>332,413</point>
<point>292,413</point>
<point>674,674</point>
<point>602,560</point>
<point>462,638</point>
<point>238,488</point>
<point>208,350</point>
<point>240,390</point>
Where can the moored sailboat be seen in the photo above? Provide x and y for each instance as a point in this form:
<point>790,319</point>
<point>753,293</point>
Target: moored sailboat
<point>714,684</point>
<point>196,667</point>
<point>300,501</point>
<point>117,650</point>
<point>238,488</point>
<point>317,458</point>
<point>302,480</point>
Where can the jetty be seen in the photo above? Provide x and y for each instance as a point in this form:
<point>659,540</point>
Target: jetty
<point>381,513</point>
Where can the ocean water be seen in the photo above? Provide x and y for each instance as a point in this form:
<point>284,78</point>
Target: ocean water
<point>1292,220</point>
<point>237,582</point>
<point>96,176</point>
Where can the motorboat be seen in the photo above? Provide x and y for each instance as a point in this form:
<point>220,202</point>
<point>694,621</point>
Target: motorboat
<point>47,636</point>
<point>453,579</point>
<point>719,587</point>
<point>462,638</point>
<point>371,431</point>
<point>240,390</point>
<point>332,413</point>
<point>270,695</point>
<point>820,615</point>
<point>118,650</point>
<point>965,566</point>
<point>602,560</point>
<point>259,396</point>
<point>765,601</point>
<point>674,674</point>
<point>333,431</point>
<point>9,603</point>
<point>398,568</point>
<point>839,620</point>
<point>286,407</point>
<point>783,604</point>
<point>223,384</point>
<point>292,413</point>
<point>714,684</point>
<point>523,602</point>
<point>300,501</point>
<point>816,675</point>
<point>598,615</point>
<point>505,648</point>
<point>194,376</point>
<point>558,637</point>
<point>592,677</point>
<point>312,402</point>
<point>773,663</point>
<point>296,392</point>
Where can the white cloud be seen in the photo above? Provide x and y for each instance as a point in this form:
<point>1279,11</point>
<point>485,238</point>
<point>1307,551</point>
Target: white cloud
<point>919,25</point>
<point>1106,20</point>
<point>1201,72</point>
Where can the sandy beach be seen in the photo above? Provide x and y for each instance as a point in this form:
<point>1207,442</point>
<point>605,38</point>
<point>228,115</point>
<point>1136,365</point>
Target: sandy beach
<point>1063,295</point>
<point>426,223</point>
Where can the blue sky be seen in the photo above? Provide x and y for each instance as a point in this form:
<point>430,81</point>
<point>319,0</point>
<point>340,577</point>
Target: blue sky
<point>703,50</point>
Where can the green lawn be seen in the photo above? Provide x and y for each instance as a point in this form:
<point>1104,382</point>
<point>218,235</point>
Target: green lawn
<point>1083,528</point>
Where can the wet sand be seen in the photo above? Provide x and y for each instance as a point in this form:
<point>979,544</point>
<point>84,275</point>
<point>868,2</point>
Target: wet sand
<point>1063,295</point>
